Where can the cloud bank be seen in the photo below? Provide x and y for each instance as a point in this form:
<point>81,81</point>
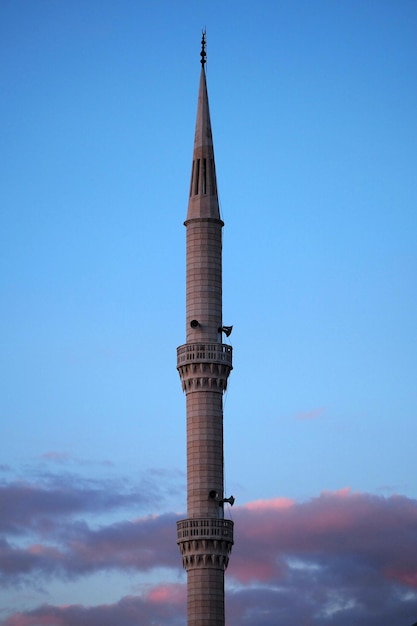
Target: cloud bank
<point>339,559</point>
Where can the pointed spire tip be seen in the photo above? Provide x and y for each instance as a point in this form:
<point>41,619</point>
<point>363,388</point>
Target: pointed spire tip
<point>203,53</point>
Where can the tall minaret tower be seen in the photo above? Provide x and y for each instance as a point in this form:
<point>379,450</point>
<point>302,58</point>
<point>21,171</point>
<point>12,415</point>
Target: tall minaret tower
<point>204,363</point>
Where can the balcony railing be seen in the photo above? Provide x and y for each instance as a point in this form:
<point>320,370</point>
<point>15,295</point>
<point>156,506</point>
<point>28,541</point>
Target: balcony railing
<point>204,353</point>
<point>205,528</point>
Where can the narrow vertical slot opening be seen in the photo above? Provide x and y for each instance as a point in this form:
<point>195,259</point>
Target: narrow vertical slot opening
<point>197,176</point>
<point>213,177</point>
<point>192,177</point>
<point>204,179</point>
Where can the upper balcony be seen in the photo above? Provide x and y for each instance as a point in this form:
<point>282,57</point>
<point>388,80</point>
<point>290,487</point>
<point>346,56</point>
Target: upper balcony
<point>204,353</point>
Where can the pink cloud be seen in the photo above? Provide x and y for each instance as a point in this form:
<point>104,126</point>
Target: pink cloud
<point>129,611</point>
<point>22,619</point>
<point>47,501</point>
<point>267,505</point>
<point>350,534</point>
<point>55,456</point>
<point>310,415</point>
<point>44,551</point>
<point>338,559</point>
<point>172,593</point>
<point>405,577</point>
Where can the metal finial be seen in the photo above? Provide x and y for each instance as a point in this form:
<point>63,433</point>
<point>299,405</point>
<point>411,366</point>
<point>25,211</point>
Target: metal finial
<point>203,49</point>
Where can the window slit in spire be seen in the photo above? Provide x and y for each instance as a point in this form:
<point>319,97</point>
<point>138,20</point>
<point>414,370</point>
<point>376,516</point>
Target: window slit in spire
<point>213,177</point>
<point>192,178</point>
<point>204,179</point>
<point>196,176</point>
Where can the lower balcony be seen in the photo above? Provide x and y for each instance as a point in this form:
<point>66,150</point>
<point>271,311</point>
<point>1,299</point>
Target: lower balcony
<point>204,528</point>
<point>205,543</point>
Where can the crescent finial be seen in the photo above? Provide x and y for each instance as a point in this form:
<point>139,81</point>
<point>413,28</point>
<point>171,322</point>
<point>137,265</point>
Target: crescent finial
<point>203,53</point>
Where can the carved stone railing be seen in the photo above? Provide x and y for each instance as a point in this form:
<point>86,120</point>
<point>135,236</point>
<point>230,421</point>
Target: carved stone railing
<point>204,353</point>
<point>204,528</point>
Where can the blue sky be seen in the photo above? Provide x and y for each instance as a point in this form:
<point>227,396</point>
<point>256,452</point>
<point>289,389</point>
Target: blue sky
<point>313,114</point>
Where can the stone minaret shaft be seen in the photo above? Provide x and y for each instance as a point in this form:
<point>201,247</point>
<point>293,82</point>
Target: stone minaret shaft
<point>205,538</point>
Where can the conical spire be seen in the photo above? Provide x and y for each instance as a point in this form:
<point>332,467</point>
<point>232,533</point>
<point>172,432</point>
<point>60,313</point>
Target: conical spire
<point>203,136</point>
<point>203,202</point>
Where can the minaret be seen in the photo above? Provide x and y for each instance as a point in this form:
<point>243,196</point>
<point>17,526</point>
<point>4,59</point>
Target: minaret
<point>204,363</point>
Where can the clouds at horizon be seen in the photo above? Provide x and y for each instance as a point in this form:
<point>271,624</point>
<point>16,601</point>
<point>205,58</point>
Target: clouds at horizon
<point>336,559</point>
